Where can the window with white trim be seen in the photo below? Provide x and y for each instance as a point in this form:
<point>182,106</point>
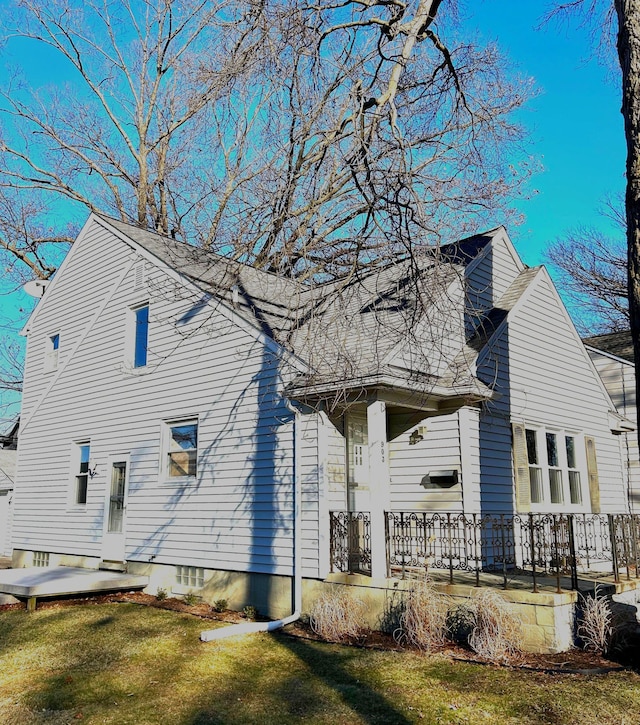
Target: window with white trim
<point>556,469</point>
<point>181,449</point>
<point>141,336</point>
<point>51,352</point>
<point>81,472</point>
<point>357,450</point>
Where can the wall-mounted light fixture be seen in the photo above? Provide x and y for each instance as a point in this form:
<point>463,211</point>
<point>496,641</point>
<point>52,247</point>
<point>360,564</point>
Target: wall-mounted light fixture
<point>417,435</point>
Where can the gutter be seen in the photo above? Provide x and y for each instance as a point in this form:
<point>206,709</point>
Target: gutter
<point>250,627</point>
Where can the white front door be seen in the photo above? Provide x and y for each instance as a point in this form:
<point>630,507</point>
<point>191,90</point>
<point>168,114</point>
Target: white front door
<point>113,544</point>
<point>358,497</point>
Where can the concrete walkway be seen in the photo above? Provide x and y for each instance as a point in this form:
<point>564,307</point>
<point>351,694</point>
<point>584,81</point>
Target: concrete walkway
<point>56,581</point>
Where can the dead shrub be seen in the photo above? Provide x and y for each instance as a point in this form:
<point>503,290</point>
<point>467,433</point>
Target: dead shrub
<point>497,635</point>
<point>423,623</point>
<point>595,623</point>
<point>338,616</point>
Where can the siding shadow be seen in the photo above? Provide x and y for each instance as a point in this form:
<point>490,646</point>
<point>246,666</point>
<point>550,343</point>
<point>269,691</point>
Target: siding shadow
<point>245,449</point>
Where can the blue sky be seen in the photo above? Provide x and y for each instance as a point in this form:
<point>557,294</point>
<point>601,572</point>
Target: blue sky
<point>574,124</point>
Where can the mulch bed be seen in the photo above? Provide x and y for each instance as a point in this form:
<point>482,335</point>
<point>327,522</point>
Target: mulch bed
<point>573,662</point>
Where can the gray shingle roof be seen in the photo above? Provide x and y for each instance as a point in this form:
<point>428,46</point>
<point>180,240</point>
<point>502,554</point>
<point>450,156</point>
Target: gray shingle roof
<point>619,344</point>
<point>343,329</point>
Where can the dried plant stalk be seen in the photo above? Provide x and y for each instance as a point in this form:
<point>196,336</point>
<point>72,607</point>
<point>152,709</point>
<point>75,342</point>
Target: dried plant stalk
<point>338,616</point>
<point>423,623</point>
<point>596,626</point>
<point>497,634</point>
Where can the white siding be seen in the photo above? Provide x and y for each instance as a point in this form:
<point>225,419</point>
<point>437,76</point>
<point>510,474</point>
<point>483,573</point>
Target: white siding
<point>543,377</point>
<point>310,505</point>
<point>238,514</point>
<point>408,464</point>
<point>489,278</point>
<point>336,468</point>
<point>618,377</point>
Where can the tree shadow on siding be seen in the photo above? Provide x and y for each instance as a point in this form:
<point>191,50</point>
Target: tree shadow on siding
<point>259,506</point>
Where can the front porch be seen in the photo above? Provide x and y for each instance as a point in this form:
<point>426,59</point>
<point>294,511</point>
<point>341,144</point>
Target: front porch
<point>543,550</point>
<point>540,562</point>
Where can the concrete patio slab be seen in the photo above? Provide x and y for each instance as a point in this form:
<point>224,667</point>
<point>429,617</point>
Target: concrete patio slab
<point>34,582</point>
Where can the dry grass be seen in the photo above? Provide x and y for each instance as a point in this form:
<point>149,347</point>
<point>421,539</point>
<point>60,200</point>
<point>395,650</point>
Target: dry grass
<point>338,616</point>
<point>595,627</point>
<point>423,623</point>
<point>496,635</point>
<point>115,664</point>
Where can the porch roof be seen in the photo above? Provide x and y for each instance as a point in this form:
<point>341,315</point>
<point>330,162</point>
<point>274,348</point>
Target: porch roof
<point>403,391</point>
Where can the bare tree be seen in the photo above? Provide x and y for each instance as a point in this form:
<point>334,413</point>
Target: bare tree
<point>307,139</point>
<point>115,137</point>
<point>592,269</point>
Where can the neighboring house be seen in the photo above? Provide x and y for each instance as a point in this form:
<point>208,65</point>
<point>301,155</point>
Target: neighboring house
<point>612,354</point>
<point>8,445</point>
<point>185,415</point>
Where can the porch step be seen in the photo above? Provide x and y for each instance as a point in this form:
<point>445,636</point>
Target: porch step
<point>108,565</point>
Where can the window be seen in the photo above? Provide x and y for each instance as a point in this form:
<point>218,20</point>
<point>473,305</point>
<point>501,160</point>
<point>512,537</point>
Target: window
<point>51,354</point>
<point>182,448</point>
<point>141,336</point>
<point>535,471</point>
<point>358,450</point>
<point>189,576</point>
<point>82,473</point>
<point>575,485</point>
<point>41,558</point>
<point>554,468</point>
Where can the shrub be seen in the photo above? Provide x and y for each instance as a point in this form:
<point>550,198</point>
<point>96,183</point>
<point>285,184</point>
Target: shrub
<point>496,635</point>
<point>337,615</point>
<point>460,623</point>
<point>595,622</point>
<point>190,598</point>
<point>161,594</point>
<point>250,612</point>
<point>219,605</point>
<point>423,623</point>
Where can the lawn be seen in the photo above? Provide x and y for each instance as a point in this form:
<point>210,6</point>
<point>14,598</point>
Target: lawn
<point>124,663</point>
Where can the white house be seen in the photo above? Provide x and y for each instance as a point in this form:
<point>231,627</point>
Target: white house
<point>192,418</point>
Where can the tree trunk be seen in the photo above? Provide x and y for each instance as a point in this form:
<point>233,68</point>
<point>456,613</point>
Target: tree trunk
<point>628,12</point>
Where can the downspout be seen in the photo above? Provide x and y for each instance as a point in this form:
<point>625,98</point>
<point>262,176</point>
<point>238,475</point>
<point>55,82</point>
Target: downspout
<point>250,627</point>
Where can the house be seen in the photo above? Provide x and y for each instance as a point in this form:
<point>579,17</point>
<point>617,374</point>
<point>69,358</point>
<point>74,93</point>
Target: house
<point>612,354</point>
<point>222,429</point>
<point>8,445</point>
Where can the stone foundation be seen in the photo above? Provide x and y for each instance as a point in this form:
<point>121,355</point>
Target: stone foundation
<point>548,618</point>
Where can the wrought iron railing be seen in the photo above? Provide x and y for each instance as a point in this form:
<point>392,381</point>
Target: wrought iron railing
<point>350,542</point>
<point>561,546</point>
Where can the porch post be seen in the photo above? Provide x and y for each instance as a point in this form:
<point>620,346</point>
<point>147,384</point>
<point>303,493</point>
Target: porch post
<point>379,483</point>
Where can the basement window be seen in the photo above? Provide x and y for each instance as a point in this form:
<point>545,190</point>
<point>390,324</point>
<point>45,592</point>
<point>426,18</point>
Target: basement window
<point>41,558</point>
<point>190,576</point>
